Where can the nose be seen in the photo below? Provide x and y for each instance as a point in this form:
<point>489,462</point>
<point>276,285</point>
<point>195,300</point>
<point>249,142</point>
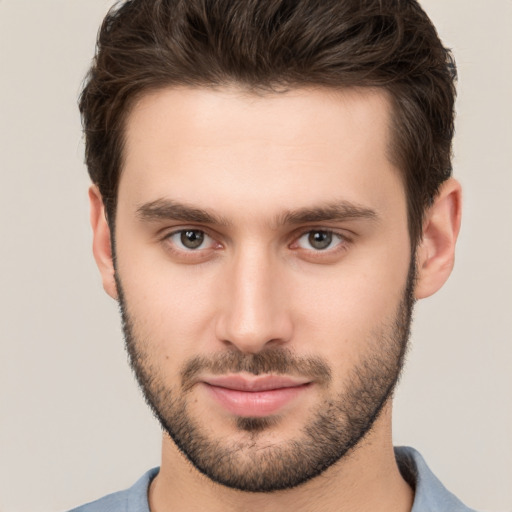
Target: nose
<point>254,311</point>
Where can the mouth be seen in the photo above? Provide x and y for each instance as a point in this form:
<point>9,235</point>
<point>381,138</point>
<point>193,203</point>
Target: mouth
<point>254,396</point>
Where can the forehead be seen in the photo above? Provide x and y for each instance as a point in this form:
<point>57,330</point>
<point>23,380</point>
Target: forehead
<point>209,146</point>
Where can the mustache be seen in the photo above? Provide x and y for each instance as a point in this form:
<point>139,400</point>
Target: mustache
<point>276,361</point>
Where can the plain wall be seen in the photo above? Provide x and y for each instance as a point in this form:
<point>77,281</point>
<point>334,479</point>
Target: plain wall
<point>73,425</point>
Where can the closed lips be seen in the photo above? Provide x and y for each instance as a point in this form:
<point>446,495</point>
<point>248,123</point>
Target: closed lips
<point>254,397</point>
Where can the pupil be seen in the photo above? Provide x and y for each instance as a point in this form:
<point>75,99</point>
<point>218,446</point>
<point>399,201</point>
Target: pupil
<point>192,239</point>
<point>320,239</point>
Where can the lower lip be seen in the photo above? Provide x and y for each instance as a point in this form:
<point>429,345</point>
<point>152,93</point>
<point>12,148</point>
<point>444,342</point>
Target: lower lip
<point>254,404</point>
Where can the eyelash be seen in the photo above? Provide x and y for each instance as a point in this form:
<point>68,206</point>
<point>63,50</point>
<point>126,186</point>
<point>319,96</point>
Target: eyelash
<point>330,235</point>
<point>203,253</point>
<point>181,232</point>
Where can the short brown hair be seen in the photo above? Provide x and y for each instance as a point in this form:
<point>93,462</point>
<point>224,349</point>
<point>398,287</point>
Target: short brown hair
<point>274,45</point>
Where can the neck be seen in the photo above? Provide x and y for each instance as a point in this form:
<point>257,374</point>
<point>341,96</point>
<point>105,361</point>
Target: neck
<point>366,479</point>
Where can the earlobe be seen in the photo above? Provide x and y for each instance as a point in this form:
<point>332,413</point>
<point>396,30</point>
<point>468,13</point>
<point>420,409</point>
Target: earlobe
<point>101,245</point>
<point>435,254</point>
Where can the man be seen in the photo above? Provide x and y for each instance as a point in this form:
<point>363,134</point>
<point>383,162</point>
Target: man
<point>271,193</point>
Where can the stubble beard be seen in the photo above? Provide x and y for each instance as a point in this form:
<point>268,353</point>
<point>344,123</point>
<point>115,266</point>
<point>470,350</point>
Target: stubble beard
<point>336,427</point>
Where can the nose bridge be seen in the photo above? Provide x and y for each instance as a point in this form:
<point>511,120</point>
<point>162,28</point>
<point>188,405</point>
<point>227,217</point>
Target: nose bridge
<point>255,313</point>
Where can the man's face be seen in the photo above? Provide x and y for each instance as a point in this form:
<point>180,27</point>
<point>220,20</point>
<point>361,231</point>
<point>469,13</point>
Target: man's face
<point>264,272</point>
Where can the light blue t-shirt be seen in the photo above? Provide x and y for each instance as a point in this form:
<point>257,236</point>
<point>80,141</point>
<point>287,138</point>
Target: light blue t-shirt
<point>430,494</point>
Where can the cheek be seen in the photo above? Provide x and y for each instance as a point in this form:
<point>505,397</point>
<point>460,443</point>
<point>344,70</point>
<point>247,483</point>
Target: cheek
<point>171,308</point>
<point>346,308</point>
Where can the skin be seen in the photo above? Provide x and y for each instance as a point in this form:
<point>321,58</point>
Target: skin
<point>250,161</point>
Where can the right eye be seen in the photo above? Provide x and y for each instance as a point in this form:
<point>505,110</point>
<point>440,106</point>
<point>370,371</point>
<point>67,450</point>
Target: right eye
<point>190,240</point>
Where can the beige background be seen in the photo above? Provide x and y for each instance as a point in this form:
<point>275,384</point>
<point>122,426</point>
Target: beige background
<point>72,424</point>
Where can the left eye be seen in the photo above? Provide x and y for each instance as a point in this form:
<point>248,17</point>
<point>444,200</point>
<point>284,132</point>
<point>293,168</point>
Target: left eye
<point>319,240</point>
<point>191,239</point>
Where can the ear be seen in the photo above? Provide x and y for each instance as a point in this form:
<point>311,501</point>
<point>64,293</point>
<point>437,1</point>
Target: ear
<point>101,243</point>
<point>435,254</point>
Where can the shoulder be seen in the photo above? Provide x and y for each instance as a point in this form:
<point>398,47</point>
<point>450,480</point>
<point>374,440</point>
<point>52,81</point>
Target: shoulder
<point>430,495</point>
<point>134,499</point>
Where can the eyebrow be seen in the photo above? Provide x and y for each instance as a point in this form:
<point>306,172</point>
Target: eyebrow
<point>167,209</point>
<point>336,211</point>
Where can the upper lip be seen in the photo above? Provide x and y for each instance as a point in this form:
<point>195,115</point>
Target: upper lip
<point>254,383</point>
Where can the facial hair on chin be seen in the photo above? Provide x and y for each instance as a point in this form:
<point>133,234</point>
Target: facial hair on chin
<point>337,425</point>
